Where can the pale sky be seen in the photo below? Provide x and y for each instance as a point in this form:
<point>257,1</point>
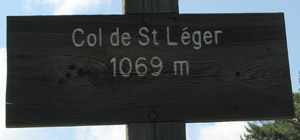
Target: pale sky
<point>196,131</point>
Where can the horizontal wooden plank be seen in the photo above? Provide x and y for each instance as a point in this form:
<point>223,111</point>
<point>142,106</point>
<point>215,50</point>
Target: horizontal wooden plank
<point>242,74</point>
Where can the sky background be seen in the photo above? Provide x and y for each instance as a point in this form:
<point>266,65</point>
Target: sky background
<point>196,131</point>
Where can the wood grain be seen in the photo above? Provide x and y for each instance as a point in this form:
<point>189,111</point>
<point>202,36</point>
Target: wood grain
<point>50,82</point>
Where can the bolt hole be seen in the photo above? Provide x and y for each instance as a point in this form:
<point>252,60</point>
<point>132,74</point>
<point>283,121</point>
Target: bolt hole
<point>238,74</point>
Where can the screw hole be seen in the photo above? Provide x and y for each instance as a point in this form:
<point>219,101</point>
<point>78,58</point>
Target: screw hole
<point>148,19</point>
<point>181,114</point>
<point>153,115</point>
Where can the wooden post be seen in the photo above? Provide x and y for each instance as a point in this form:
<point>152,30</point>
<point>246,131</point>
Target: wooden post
<point>159,130</point>
<point>150,7</point>
<point>156,131</point>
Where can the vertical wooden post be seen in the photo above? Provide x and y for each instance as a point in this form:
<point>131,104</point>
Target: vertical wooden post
<point>150,7</point>
<point>159,130</point>
<point>156,131</point>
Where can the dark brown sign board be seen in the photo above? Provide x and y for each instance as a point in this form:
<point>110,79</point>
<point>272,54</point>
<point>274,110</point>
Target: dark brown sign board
<point>117,69</point>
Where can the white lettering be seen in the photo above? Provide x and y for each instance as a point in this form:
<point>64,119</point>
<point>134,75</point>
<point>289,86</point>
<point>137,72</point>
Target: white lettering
<point>145,36</point>
<point>168,38</point>
<point>141,65</point>
<point>115,35</point>
<point>185,37</point>
<point>216,35</point>
<point>114,61</point>
<point>91,44</point>
<point>125,74</point>
<point>74,38</point>
<point>197,41</point>
<point>154,37</point>
<point>126,36</point>
<point>100,37</point>
<point>181,63</point>
<point>207,37</point>
<point>159,65</point>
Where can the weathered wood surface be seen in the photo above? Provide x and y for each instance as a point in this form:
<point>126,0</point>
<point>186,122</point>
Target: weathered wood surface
<point>156,131</point>
<point>51,82</point>
<point>160,130</point>
<point>150,6</point>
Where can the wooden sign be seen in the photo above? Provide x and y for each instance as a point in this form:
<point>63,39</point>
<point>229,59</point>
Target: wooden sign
<point>117,69</point>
